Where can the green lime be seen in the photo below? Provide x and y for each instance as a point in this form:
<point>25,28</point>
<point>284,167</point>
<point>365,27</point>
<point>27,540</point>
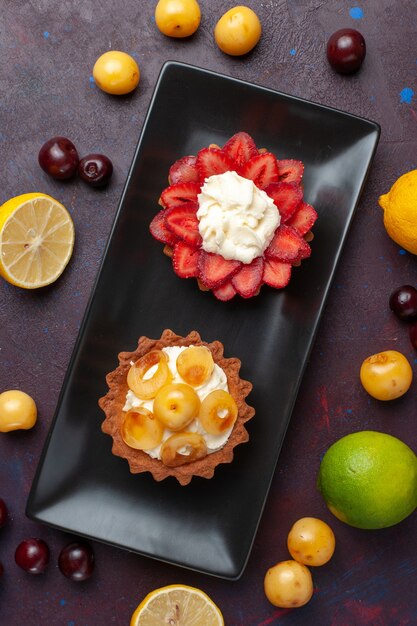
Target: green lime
<point>369,479</point>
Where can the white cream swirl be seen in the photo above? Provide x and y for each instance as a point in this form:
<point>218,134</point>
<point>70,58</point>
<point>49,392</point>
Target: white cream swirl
<point>236,219</point>
<point>217,380</point>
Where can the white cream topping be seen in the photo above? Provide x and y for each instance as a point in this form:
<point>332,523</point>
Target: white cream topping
<point>236,219</point>
<point>217,380</point>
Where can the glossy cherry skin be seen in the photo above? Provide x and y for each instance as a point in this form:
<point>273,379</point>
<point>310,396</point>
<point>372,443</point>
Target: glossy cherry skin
<point>95,169</point>
<point>346,50</point>
<point>76,561</point>
<point>403,302</point>
<point>32,555</point>
<point>58,157</point>
<point>3,513</point>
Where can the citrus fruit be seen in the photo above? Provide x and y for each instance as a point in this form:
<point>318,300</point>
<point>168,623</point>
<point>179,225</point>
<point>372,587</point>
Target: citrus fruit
<point>177,604</point>
<point>36,240</point>
<point>369,479</point>
<point>400,214</point>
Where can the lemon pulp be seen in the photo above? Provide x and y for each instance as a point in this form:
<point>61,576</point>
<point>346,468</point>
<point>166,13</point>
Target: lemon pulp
<point>36,240</point>
<point>177,604</point>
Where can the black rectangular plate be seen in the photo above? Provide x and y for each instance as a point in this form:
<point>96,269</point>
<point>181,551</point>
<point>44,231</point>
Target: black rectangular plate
<point>80,486</point>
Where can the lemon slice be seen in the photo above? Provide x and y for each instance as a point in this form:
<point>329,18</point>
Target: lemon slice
<point>177,604</point>
<point>36,240</point>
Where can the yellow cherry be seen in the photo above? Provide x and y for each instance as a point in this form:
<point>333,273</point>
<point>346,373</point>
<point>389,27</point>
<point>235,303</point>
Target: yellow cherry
<point>142,384</point>
<point>238,31</point>
<point>218,412</point>
<point>177,18</point>
<point>17,411</point>
<point>141,430</point>
<point>116,72</point>
<point>183,448</point>
<point>195,365</point>
<point>176,405</point>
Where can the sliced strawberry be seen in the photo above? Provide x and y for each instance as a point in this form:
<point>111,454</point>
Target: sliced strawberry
<point>262,169</point>
<point>180,194</point>
<point>211,161</point>
<point>303,218</point>
<point>248,280</point>
<point>276,273</point>
<point>185,260</point>
<point>287,245</point>
<point>183,171</point>
<point>160,231</point>
<point>241,147</point>
<point>304,251</point>
<point>225,292</point>
<point>215,270</point>
<point>182,221</point>
<point>290,171</point>
<point>286,196</point>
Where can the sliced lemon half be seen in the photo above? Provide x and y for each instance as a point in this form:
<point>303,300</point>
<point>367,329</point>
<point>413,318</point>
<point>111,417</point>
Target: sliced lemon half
<point>177,604</point>
<point>36,240</point>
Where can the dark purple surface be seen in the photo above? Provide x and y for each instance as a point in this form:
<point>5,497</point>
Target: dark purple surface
<point>48,51</point>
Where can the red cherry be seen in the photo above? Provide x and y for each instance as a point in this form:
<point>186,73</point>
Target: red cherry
<point>32,555</point>
<point>58,157</point>
<point>346,50</point>
<point>3,513</point>
<point>95,169</point>
<point>403,302</point>
<point>76,561</point>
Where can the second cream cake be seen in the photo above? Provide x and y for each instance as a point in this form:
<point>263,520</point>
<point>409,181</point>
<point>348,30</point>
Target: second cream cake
<point>176,407</point>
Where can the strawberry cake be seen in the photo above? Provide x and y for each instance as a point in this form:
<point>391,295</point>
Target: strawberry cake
<point>234,218</point>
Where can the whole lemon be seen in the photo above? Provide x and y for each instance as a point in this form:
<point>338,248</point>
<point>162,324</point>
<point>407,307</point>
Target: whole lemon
<point>369,479</point>
<point>400,211</point>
